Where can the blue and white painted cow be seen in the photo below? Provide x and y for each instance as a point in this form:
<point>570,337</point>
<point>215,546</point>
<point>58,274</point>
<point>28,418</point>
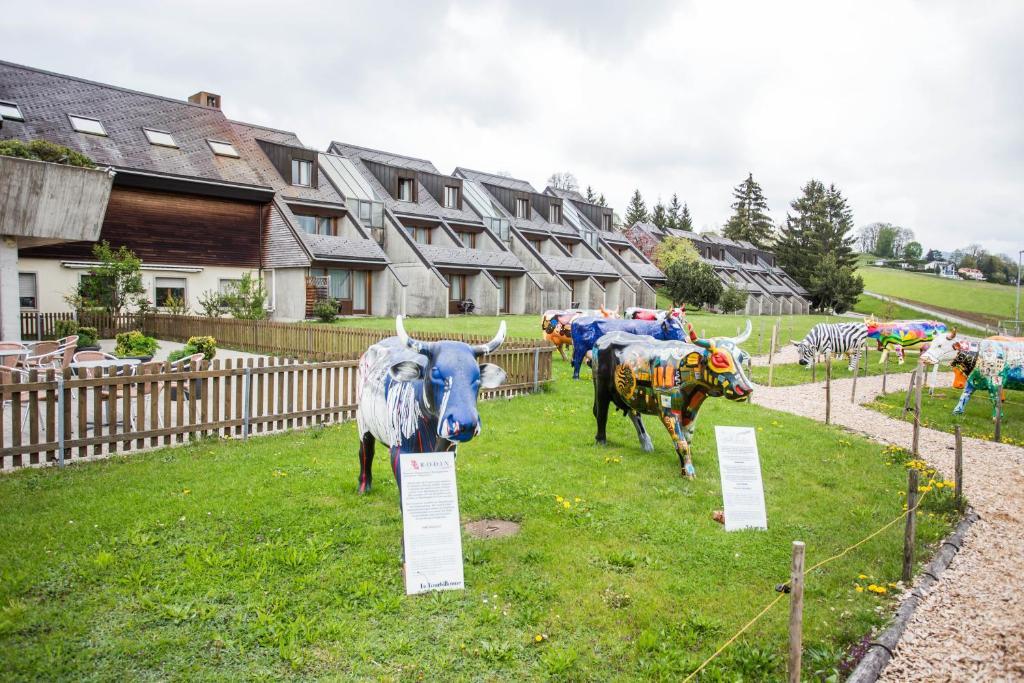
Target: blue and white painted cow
<point>1000,365</point>
<point>420,397</point>
<point>586,332</point>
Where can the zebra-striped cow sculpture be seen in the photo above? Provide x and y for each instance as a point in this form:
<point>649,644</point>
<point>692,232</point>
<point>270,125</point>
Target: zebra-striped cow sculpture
<point>834,338</point>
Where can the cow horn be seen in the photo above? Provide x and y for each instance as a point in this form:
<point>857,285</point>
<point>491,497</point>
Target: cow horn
<point>415,345</point>
<point>745,335</point>
<point>491,346</point>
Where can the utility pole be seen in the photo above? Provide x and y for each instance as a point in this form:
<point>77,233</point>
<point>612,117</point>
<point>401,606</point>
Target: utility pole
<point>1016,314</point>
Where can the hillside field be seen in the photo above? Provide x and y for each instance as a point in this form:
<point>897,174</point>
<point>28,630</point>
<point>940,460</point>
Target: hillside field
<point>980,300</point>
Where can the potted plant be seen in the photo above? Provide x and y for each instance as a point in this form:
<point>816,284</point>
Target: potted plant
<point>87,336</point>
<point>204,345</point>
<point>135,344</point>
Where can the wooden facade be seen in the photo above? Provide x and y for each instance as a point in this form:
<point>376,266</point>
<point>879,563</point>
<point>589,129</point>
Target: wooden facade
<point>164,227</point>
<point>281,157</point>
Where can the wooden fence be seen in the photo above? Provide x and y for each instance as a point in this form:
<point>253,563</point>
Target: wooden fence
<point>38,326</point>
<point>54,417</point>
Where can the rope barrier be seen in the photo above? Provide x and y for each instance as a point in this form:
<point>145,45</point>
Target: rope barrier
<point>783,588</point>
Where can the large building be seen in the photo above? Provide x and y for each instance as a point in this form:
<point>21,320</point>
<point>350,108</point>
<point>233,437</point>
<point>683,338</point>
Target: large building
<point>770,290</point>
<point>203,200</point>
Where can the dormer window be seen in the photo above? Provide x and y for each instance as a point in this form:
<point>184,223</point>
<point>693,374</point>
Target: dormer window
<point>10,111</point>
<point>84,124</point>
<point>606,223</point>
<point>302,172</point>
<point>160,138</point>
<point>522,208</point>
<point>555,214</point>
<point>405,189</point>
<point>222,149</point>
<point>451,196</point>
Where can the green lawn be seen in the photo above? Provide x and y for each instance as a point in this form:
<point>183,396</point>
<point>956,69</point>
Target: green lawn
<point>937,413</point>
<point>528,326</point>
<point>258,560</point>
<point>991,301</point>
<point>886,310</point>
<point>789,374</point>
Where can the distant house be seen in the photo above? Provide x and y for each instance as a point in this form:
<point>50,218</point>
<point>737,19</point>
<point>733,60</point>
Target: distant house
<point>942,268</point>
<point>971,274</point>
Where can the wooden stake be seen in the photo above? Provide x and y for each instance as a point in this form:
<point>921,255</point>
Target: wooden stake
<point>828,387</point>
<point>771,353</point>
<point>998,436</point>
<point>885,373</point>
<point>856,371</point>
<point>917,408</point>
<point>814,368</point>
<point>910,392</point>
<point>958,471</point>
<point>911,528</point>
<point>796,611</point>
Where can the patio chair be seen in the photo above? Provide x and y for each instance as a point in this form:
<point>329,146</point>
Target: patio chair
<point>67,347</point>
<point>47,360</point>
<point>152,390</point>
<point>92,355</point>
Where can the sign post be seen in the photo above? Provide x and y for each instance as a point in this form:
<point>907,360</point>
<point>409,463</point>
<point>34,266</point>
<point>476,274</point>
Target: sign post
<point>742,487</point>
<point>430,519</point>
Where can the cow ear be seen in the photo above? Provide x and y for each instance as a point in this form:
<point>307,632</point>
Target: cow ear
<point>491,376</point>
<point>406,371</point>
<point>795,343</point>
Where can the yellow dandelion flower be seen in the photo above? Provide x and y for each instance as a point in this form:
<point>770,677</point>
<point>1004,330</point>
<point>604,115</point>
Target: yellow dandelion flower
<point>185,492</point>
<point>538,638</point>
<point>566,504</point>
<point>859,589</point>
<point>558,499</point>
<point>862,576</point>
<point>577,499</point>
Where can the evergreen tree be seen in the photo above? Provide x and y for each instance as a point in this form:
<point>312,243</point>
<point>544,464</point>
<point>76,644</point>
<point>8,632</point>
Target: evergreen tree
<point>601,200</point>
<point>660,217</point>
<point>685,222</point>
<point>636,210</point>
<point>750,220</point>
<point>591,197</point>
<point>816,247</point>
<point>674,209</point>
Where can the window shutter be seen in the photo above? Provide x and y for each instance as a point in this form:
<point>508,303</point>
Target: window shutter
<point>27,285</point>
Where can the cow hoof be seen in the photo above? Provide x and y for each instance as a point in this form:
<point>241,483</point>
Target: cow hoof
<point>600,442</point>
<point>646,446</point>
<point>689,472</point>
<point>363,490</point>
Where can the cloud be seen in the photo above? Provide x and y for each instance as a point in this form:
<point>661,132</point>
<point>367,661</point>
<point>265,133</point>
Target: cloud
<point>913,109</point>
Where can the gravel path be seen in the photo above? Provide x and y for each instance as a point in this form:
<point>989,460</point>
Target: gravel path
<point>971,625</point>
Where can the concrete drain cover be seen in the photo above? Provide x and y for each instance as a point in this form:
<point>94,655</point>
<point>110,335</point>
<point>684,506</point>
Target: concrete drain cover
<point>491,528</point>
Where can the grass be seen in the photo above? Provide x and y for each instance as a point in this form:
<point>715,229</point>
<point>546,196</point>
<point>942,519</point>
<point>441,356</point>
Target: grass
<point>258,560</point>
<point>991,302</point>
<point>790,374</point>
<point>528,326</point>
<point>937,413</point>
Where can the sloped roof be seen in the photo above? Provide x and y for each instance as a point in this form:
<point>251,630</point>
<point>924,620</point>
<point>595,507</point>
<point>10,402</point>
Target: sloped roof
<point>250,133</point>
<point>571,195</point>
<point>646,270</point>
<point>382,157</point>
<point>495,179</point>
<point>580,266</point>
<point>470,258</point>
<point>46,99</point>
<point>328,247</point>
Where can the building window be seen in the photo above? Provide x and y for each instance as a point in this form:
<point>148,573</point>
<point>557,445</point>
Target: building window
<point>302,172</point>
<point>451,196</point>
<point>555,214</point>
<point>419,235</point>
<point>27,291</point>
<point>167,287</point>
<point>222,149</point>
<point>501,227</point>
<point>606,222</point>
<point>468,239</point>
<point>316,225</point>
<point>10,111</point>
<point>405,189</point>
<point>227,285</point>
<point>536,244</point>
<point>83,124</point>
<point>325,225</point>
<point>457,292</point>
<point>522,208</point>
<point>160,138</point>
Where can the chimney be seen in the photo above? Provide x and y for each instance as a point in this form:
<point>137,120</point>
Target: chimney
<point>207,99</point>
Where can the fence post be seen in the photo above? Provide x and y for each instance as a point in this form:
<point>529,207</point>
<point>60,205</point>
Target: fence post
<point>911,528</point>
<point>60,420</point>
<point>796,611</point>
<point>536,369</point>
<point>910,392</point>
<point>246,401</point>
<point>39,326</point>
<point>828,387</point>
<point>771,353</point>
<point>917,408</point>
<point>856,371</point>
<point>958,471</point>
<point>998,435</point>
<point>885,373</point>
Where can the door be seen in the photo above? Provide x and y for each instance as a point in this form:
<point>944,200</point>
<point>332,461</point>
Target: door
<point>504,285</point>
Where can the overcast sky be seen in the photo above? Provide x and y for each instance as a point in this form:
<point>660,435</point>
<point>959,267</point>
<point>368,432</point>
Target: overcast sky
<point>915,110</point>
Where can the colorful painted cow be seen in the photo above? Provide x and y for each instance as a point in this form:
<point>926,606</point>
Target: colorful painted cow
<point>556,325</point>
<point>902,335</point>
<point>637,313</point>
<point>1000,365</point>
<point>419,397</point>
<point>669,379</point>
<point>587,330</point>
<point>960,352</point>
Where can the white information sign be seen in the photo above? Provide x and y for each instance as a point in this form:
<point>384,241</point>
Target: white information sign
<point>742,487</point>
<point>430,516</point>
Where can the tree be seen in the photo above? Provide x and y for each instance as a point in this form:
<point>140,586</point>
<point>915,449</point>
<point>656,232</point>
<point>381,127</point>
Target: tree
<point>660,217</point>
<point>900,242</point>
<point>693,283</point>
<point>750,220</point>
<point>733,299</point>
<point>636,210</point>
<point>685,222</point>
<point>674,250</point>
<point>591,196</point>
<point>833,286</point>
<point>674,209</point>
<point>246,299</point>
<point>114,284</point>
<point>818,227</point>
<point>885,243</point>
<point>934,255</point>
<point>601,200</point>
<point>563,180</point>
<point>867,237</point>
<point>912,252</point>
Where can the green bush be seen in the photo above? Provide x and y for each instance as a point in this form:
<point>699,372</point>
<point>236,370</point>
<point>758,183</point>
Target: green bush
<point>44,150</point>
<point>65,328</point>
<point>134,344</point>
<point>326,310</point>
<point>88,336</point>
<point>204,345</point>
<point>733,299</point>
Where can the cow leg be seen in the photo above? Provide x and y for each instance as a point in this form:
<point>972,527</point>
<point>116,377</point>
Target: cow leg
<point>674,424</point>
<point>993,397</point>
<point>900,355</point>
<point>965,396</point>
<point>577,361</point>
<point>561,351</point>
<point>884,355</point>
<point>366,448</point>
<point>641,432</point>
<point>601,401</point>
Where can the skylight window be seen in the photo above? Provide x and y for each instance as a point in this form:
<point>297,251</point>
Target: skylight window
<point>159,137</point>
<point>9,110</point>
<point>223,149</point>
<point>84,124</point>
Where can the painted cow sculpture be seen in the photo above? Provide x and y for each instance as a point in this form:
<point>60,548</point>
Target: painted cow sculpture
<point>420,397</point>
<point>960,352</point>
<point>556,325</point>
<point>670,379</point>
<point>637,313</point>
<point>586,331</point>
<point>1000,365</point>
<point>903,334</point>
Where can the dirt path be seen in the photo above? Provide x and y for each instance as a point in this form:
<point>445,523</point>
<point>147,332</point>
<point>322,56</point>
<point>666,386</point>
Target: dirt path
<point>971,625</point>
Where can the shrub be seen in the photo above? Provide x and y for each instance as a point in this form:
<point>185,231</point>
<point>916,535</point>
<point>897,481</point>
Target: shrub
<point>693,283</point>
<point>88,336</point>
<point>176,305</point>
<point>326,310</point>
<point>211,303</point>
<point>733,299</point>
<point>246,299</point>
<point>113,284</point>
<point>44,150</point>
<point>134,344</point>
<point>204,345</point>
<point>65,328</point>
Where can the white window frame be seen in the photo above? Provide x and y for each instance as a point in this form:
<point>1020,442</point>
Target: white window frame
<point>223,149</point>
<point>301,165</point>
<point>10,111</point>
<point>407,183</point>
<point>555,214</point>
<point>80,125</point>
<point>226,284</point>
<point>184,289</point>
<point>35,290</point>
<point>151,132</point>
<point>451,196</point>
<point>523,204</point>
<point>321,221</point>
